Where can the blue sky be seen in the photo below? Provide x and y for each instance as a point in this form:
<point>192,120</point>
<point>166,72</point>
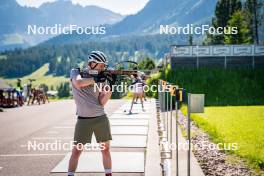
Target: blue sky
<point>123,7</point>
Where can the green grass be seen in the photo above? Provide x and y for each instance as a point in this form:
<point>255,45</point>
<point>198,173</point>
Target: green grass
<point>243,125</point>
<point>41,77</point>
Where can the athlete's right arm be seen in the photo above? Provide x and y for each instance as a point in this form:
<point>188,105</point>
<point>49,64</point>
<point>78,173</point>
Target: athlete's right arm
<point>78,81</point>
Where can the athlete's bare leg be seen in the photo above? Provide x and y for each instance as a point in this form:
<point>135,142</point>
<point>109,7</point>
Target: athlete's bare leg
<point>134,97</point>
<point>76,152</point>
<point>107,162</point>
<point>142,102</point>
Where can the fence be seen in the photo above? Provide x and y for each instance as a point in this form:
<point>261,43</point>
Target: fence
<point>169,96</point>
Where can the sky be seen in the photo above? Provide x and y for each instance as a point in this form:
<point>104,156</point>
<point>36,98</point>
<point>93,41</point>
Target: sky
<point>124,7</point>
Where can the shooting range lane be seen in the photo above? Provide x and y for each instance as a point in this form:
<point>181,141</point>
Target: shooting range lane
<point>135,164</point>
<point>137,108</point>
<point>135,111</point>
<point>128,122</point>
<point>130,135</point>
<point>136,130</point>
<point>134,116</point>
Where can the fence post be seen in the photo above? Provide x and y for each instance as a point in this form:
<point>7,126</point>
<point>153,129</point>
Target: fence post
<point>195,105</point>
<point>167,114</point>
<point>253,62</point>
<point>189,137</point>
<point>163,102</point>
<point>225,63</point>
<point>170,118</point>
<point>177,139</point>
<point>197,57</point>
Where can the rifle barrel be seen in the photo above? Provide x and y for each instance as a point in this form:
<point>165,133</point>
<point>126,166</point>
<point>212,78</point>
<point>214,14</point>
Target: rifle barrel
<point>122,72</point>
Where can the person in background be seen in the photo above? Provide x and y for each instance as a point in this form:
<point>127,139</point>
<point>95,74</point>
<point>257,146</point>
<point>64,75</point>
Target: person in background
<point>138,91</point>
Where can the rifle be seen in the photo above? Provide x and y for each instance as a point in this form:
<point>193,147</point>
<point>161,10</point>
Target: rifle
<point>108,74</point>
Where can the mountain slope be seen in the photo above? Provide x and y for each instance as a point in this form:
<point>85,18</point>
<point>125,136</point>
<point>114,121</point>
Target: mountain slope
<point>158,12</point>
<point>148,20</point>
<point>76,14</point>
<point>15,19</point>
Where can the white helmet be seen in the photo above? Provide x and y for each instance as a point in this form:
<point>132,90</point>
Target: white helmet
<point>97,57</point>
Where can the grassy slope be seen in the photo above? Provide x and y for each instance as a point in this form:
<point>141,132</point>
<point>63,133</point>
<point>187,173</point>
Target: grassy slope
<point>243,125</point>
<point>222,87</point>
<point>41,77</point>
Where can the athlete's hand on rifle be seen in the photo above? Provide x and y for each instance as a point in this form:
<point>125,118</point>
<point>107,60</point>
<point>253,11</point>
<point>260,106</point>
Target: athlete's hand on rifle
<point>105,95</point>
<point>103,76</point>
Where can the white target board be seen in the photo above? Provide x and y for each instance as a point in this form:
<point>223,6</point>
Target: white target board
<point>217,50</point>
